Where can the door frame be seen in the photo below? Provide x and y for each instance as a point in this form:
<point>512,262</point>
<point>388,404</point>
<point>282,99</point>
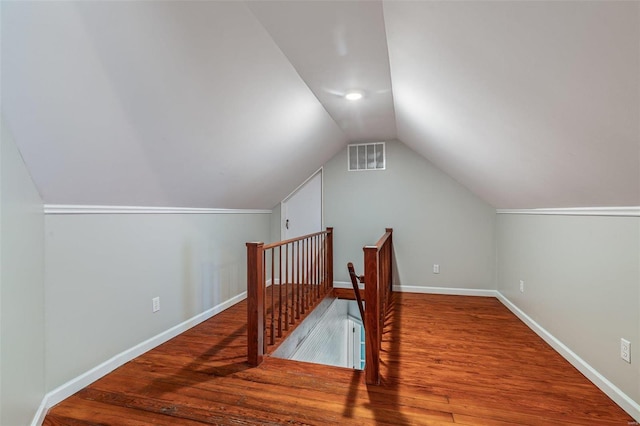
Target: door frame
<point>283,217</point>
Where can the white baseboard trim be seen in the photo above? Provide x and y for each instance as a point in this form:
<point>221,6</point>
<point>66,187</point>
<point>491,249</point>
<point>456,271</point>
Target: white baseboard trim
<point>267,283</point>
<point>617,395</point>
<point>65,390</point>
<point>38,418</point>
<point>429,290</point>
<point>446,290</point>
<point>347,285</point>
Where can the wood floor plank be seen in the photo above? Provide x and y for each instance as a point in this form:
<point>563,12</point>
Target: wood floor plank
<point>76,410</point>
<point>472,367</point>
<point>322,407</point>
<point>444,361</point>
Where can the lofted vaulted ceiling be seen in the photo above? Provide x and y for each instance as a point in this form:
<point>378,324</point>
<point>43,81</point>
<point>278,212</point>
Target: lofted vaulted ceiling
<point>528,104</point>
<point>233,104</point>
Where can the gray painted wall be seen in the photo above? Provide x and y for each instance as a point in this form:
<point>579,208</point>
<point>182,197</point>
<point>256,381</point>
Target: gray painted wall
<point>22,381</point>
<point>582,284</point>
<point>275,224</point>
<point>103,270</point>
<point>434,218</point>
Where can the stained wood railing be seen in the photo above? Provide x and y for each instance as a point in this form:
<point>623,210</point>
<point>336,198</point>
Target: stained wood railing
<point>355,283</point>
<point>378,285</point>
<point>285,281</point>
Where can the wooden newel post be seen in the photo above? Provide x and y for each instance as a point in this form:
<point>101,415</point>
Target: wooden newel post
<point>390,262</point>
<point>371,315</point>
<point>255,304</point>
<point>329,242</point>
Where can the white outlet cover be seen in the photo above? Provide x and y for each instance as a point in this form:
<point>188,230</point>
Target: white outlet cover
<point>521,286</point>
<point>625,350</point>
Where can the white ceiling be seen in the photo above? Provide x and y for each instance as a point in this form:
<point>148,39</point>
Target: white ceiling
<point>337,47</point>
<point>158,103</point>
<point>528,104</point>
<point>232,104</point>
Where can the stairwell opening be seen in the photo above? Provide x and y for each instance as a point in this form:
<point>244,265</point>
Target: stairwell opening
<point>332,334</point>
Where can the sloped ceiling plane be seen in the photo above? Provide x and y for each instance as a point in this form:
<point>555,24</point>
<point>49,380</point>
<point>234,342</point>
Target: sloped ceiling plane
<point>233,104</point>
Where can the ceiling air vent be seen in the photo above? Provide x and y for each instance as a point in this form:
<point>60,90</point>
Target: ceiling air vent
<point>366,156</point>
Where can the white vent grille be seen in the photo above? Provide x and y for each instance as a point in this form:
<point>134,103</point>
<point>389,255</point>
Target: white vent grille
<point>366,156</point>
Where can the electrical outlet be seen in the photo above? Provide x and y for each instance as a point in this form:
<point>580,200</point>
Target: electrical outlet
<point>625,350</point>
<point>436,268</point>
<point>155,302</point>
<point>521,286</point>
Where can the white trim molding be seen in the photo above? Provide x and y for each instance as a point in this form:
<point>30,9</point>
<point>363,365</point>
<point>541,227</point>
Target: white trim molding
<point>446,290</point>
<point>86,209</point>
<point>428,290</point>
<point>347,285</point>
<point>276,281</point>
<point>611,390</point>
<point>65,390</point>
<point>578,211</point>
<point>320,170</point>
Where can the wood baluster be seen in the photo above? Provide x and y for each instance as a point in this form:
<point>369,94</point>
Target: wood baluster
<point>297,263</point>
<point>303,266</point>
<point>329,239</point>
<point>293,283</point>
<point>309,274</point>
<point>390,264</point>
<point>314,270</point>
<point>387,264</point>
<point>280,291</point>
<point>303,278</point>
<point>310,269</point>
<point>316,260</point>
<point>320,264</point>
<point>383,300</point>
<point>324,263</point>
<point>272,330</point>
<point>294,288</point>
<point>381,292</point>
<point>307,268</point>
<point>286,288</point>
<point>323,245</point>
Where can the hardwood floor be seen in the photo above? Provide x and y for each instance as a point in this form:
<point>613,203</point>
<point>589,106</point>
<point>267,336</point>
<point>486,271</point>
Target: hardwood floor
<point>446,359</point>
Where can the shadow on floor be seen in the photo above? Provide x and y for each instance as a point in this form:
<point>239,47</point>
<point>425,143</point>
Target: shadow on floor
<point>198,370</point>
<point>384,400</point>
<point>388,399</point>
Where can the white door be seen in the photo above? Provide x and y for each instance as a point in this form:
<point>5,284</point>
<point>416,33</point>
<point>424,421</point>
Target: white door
<point>355,344</point>
<point>302,210</point>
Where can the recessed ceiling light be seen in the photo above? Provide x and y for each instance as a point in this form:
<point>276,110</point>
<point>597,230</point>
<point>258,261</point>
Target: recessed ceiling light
<point>353,95</point>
